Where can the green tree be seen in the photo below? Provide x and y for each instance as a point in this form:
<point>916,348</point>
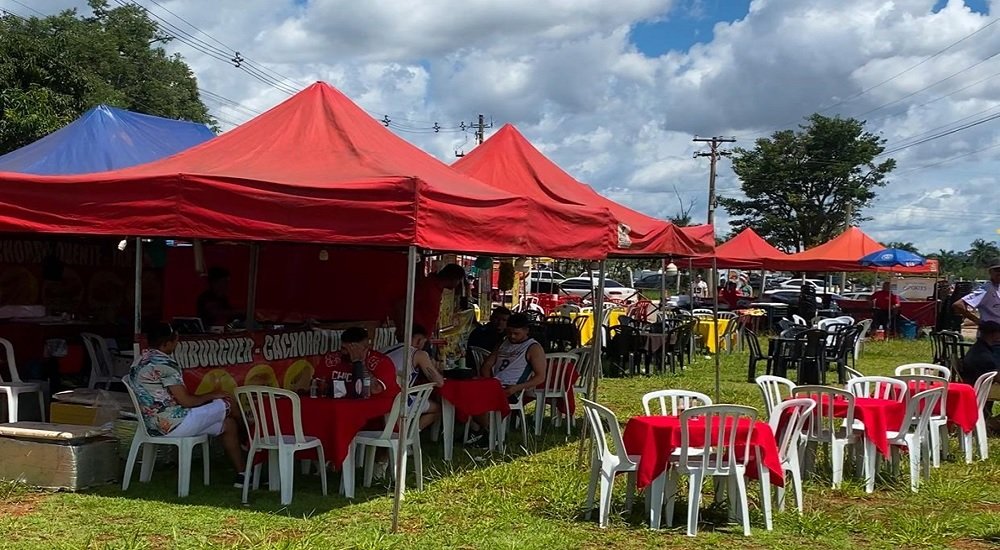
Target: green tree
<point>52,69</point>
<point>907,246</point>
<point>950,262</point>
<point>982,252</point>
<point>801,187</point>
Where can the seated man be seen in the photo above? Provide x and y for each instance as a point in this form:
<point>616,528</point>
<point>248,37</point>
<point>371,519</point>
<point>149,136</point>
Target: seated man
<point>356,348</point>
<point>489,336</point>
<point>982,357</point>
<point>422,370</point>
<point>885,308</point>
<point>518,363</point>
<point>167,407</point>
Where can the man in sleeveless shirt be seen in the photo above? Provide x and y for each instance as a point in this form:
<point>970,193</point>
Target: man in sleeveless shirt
<point>422,370</point>
<point>518,362</point>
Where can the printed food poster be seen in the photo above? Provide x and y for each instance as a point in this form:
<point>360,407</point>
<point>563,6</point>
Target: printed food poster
<point>223,362</point>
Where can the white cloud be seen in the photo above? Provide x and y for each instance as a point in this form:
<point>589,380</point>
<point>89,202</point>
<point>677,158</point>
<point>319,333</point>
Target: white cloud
<point>567,74</point>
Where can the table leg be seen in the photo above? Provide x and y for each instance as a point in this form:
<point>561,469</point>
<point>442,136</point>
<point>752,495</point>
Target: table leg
<point>765,490</point>
<point>493,436</point>
<point>448,423</point>
<point>655,492</point>
<point>347,472</point>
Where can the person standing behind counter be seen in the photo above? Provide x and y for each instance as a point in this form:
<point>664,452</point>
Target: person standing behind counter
<point>427,298</point>
<point>213,304</point>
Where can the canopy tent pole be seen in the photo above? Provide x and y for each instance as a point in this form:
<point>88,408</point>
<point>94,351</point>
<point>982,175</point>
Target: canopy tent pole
<point>663,311</point>
<point>690,307</point>
<point>411,275</point>
<point>251,321</point>
<point>595,354</point>
<point>137,317</point>
<point>715,313</point>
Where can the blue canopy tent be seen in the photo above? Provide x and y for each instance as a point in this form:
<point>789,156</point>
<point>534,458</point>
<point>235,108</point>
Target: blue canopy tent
<point>105,138</point>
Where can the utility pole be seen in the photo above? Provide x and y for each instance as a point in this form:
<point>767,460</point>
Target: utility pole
<point>714,153</point>
<point>479,127</point>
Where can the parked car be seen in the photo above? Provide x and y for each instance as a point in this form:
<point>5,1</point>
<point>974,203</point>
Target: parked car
<point>544,281</point>
<point>652,281</point>
<point>818,284</point>
<point>788,296</point>
<point>856,296</point>
<point>584,286</point>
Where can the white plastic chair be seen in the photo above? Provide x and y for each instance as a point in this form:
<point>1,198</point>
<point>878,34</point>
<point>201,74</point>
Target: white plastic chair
<point>983,386</point>
<point>859,344</point>
<point>774,389</point>
<point>912,434</point>
<point>101,365</point>
<point>388,438</point>
<point>787,420</point>
<point>879,387</point>
<point>608,460</point>
<point>717,458</point>
<point>555,389</point>
<point>798,320</point>
<point>259,407</point>
<point>15,387</point>
<point>185,447</point>
<point>729,315</point>
<point>846,319</point>
<point>702,311</point>
<point>825,428</point>
<point>680,400</point>
<point>939,420</point>
<point>852,373</point>
<point>479,355</point>
<point>585,368</point>
<point>923,369</point>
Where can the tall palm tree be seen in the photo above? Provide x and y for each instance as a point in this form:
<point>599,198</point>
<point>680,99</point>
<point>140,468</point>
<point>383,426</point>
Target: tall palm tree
<point>982,252</point>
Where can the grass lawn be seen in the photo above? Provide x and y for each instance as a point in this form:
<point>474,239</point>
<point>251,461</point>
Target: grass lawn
<point>520,501</point>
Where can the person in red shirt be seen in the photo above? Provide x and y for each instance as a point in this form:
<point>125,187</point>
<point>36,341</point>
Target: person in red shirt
<point>356,348</point>
<point>427,298</point>
<point>885,308</point>
<point>729,295</point>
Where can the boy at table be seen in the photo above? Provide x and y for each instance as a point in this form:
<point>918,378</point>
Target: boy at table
<point>168,409</point>
<point>421,369</point>
<point>356,348</point>
<point>518,363</point>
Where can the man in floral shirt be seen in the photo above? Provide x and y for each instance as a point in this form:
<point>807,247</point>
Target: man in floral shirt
<point>167,407</point>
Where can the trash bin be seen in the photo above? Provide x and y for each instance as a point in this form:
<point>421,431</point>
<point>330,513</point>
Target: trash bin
<point>908,329</point>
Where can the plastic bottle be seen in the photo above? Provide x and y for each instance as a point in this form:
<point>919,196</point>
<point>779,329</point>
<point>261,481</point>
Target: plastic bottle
<point>357,375</point>
<point>313,388</point>
<point>366,385</point>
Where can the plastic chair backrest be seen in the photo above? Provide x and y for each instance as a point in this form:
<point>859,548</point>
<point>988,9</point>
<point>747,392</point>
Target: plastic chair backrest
<point>259,408</point>
<point>416,397</point>
<point>826,324</point>
<point>680,400</point>
<point>479,355</point>
<point>557,369</point>
<point>559,320</point>
<point>983,386</point>
<point>141,424</point>
<point>9,361</point>
<point>727,315</point>
<point>702,311</point>
<point>722,448</point>
<point>566,309</point>
<point>100,356</point>
<point>605,425</point>
<point>924,369</point>
<point>750,337</point>
<point>920,408</point>
<point>846,319</point>
<point>919,382</point>
<point>584,363</point>
<point>823,423</point>
<point>866,327</point>
<point>852,373</point>
<point>786,421</point>
<point>879,387</point>
<point>774,389</point>
<point>798,320</point>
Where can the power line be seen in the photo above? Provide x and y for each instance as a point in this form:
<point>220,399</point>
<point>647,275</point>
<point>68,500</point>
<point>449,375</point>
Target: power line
<point>27,7</point>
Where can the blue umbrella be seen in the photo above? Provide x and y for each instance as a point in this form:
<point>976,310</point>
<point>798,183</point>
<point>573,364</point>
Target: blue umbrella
<point>892,257</point>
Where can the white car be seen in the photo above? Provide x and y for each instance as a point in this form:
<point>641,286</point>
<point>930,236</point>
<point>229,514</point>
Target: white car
<point>544,281</point>
<point>857,296</point>
<point>584,286</point>
<point>795,284</point>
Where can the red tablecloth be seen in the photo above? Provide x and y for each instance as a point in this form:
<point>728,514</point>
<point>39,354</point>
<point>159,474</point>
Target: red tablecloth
<point>475,396</point>
<point>334,421</point>
<point>962,406</point>
<point>878,415</point>
<point>655,438</point>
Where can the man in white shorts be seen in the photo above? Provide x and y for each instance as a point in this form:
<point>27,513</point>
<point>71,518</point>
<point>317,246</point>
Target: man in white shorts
<point>422,368</point>
<point>169,410</point>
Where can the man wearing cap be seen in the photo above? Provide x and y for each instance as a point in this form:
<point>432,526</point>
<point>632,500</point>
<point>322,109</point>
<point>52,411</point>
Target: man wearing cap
<point>983,304</point>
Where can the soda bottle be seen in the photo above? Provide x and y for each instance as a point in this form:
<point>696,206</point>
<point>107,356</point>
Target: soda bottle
<point>357,376</point>
<point>366,385</point>
<point>313,387</point>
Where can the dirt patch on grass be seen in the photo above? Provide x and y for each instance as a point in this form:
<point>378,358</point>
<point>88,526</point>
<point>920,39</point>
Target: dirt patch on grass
<point>20,506</point>
<point>970,544</point>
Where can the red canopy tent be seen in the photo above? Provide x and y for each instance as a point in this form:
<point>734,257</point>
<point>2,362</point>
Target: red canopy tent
<point>747,250</point>
<point>842,253</point>
<point>508,161</point>
<point>315,168</point>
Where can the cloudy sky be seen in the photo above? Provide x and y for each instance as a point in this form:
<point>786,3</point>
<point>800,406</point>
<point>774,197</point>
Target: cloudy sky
<point>615,91</point>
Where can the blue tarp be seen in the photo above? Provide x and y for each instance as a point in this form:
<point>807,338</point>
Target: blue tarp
<point>105,138</point>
